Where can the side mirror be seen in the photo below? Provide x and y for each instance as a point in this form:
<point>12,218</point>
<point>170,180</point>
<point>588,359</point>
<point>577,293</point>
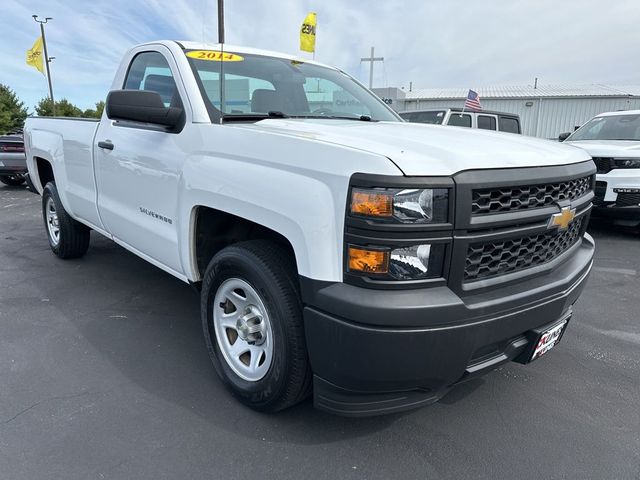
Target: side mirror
<point>142,106</point>
<point>563,136</point>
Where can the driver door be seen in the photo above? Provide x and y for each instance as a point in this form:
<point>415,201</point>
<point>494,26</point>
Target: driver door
<point>138,168</point>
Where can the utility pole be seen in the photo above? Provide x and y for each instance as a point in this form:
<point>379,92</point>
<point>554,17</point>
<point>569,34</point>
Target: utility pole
<point>371,59</point>
<point>47,60</point>
<point>220,21</point>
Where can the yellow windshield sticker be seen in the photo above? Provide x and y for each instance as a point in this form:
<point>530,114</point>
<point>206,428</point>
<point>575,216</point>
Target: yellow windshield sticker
<point>215,56</point>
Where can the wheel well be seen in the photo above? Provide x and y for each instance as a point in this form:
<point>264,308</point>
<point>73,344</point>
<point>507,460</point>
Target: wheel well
<point>215,230</point>
<point>45,171</point>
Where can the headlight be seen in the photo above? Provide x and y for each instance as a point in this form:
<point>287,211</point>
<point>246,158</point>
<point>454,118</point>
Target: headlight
<point>627,162</point>
<point>414,262</point>
<point>414,205</point>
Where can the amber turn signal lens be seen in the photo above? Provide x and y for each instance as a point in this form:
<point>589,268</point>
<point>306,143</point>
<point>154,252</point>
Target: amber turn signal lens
<point>368,261</point>
<point>371,203</point>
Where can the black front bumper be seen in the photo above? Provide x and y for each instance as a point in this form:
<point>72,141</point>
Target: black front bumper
<point>625,210</point>
<point>624,215</point>
<point>379,351</point>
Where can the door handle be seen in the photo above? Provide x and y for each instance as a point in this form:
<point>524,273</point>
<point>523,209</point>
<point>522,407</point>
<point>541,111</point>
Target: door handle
<point>107,145</point>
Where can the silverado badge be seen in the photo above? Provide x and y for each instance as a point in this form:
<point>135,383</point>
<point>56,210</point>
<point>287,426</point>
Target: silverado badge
<point>563,219</point>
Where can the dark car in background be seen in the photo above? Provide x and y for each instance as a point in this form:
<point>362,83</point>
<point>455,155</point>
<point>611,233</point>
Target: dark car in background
<point>13,163</point>
<point>484,120</point>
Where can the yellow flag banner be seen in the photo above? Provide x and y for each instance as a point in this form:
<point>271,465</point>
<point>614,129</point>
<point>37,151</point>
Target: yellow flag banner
<point>35,56</point>
<point>308,33</point>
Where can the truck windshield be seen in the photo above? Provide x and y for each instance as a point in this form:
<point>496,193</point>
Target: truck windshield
<point>261,86</point>
<point>614,127</point>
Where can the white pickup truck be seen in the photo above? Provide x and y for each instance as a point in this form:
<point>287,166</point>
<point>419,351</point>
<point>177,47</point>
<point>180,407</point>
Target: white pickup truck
<point>337,248</point>
<point>613,140</point>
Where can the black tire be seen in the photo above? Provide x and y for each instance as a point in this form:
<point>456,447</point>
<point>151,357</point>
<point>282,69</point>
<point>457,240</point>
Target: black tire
<point>263,265</point>
<point>12,180</point>
<point>73,238</point>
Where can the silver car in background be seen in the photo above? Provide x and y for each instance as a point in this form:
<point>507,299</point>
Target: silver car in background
<point>13,163</point>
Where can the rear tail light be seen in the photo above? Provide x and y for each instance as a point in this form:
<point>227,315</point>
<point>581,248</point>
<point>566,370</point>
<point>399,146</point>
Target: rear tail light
<point>10,148</point>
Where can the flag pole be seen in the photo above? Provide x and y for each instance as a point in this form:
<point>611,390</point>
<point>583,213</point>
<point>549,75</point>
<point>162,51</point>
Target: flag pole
<point>46,59</point>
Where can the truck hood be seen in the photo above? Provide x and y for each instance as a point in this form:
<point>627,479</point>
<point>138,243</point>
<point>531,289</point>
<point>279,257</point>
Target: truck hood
<point>419,149</point>
<point>609,148</point>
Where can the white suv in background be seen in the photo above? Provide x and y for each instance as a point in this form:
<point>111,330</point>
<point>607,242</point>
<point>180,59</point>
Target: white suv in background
<point>613,140</point>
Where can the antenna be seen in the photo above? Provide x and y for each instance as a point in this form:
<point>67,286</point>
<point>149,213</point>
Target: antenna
<point>221,41</point>
<point>220,21</point>
<point>203,18</point>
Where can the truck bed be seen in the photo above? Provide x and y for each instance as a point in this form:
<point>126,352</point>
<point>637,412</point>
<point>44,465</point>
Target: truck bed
<point>69,141</point>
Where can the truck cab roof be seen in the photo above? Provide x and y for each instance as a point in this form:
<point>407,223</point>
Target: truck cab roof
<point>191,45</point>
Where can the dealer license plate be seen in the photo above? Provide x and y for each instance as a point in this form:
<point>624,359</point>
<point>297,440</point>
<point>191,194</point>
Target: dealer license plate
<point>548,340</point>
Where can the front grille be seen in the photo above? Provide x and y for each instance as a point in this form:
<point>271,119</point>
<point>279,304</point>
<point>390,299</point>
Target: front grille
<point>509,199</point>
<point>628,200</point>
<point>494,258</point>
<point>603,165</point>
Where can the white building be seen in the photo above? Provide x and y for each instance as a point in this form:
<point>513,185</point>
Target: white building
<point>545,111</point>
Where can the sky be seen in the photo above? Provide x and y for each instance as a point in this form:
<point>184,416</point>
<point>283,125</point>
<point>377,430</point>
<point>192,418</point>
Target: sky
<point>431,43</point>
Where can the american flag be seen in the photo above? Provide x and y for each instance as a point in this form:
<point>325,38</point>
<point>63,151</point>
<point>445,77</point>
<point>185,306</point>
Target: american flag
<point>473,101</point>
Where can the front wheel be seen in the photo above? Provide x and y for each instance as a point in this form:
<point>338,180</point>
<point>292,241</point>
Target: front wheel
<point>68,238</point>
<point>252,322</point>
<point>12,180</point>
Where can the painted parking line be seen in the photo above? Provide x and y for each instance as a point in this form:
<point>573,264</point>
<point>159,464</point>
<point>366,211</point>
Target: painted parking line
<point>621,271</point>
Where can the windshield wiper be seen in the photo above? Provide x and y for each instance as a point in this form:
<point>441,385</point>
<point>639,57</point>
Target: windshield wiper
<point>362,118</point>
<point>248,117</point>
<point>277,114</point>
<point>245,117</point>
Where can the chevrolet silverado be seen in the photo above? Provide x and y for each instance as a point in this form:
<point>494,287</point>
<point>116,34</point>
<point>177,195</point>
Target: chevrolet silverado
<point>339,250</point>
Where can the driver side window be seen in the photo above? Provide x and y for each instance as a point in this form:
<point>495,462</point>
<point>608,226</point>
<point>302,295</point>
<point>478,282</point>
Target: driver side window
<point>150,71</point>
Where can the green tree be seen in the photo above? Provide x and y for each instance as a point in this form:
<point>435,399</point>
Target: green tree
<point>91,113</point>
<point>64,108</point>
<point>100,108</point>
<point>12,110</point>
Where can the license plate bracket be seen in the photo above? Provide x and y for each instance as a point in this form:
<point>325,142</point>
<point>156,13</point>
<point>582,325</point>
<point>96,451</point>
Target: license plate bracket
<point>543,339</point>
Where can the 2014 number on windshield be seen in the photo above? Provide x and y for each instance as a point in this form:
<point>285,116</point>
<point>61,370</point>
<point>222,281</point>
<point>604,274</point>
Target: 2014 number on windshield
<point>215,56</point>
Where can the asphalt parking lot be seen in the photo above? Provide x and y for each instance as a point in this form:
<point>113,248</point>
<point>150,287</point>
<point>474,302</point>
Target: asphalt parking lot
<point>104,374</point>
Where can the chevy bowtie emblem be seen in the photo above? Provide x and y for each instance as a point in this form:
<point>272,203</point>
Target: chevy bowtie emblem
<point>563,219</point>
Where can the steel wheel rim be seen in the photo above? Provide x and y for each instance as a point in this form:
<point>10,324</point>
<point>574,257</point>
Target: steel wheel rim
<point>243,329</point>
<point>53,222</point>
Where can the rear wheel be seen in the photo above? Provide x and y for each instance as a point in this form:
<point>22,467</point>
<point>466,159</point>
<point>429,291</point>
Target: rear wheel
<point>252,321</point>
<point>12,180</point>
<point>68,238</point>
